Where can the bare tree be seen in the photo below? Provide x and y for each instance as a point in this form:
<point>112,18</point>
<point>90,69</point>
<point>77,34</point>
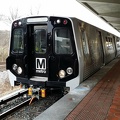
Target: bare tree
<point>35,10</point>
<point>4,40</point>
<point>1,17</point>
<point>5,35</point>
<point>14,14</point>
<point>31,11</point>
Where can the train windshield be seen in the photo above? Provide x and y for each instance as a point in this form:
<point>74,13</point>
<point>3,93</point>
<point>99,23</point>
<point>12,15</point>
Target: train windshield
<point>18,41</point>
<point>62,40</point>
<point>40,39</point>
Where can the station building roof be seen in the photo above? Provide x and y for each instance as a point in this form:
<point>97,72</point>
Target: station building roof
<point>109,10</point>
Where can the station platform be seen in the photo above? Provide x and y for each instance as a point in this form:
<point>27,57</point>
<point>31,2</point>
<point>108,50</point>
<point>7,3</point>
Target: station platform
<point>97,98</point>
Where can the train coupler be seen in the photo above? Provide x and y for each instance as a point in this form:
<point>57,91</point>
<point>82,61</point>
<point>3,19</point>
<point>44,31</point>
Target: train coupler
<point>36,92</point>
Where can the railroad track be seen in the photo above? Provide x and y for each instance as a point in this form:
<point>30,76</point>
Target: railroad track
<point>10,103</point>
<point>11,110</point>
<point>29,112</point>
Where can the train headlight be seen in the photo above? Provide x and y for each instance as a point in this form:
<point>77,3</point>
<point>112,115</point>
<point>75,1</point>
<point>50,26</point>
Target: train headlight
<point>58,21</point>
<point>14,67</point>
<point>69,70</point>
<point>19,70</point>
<point>62,74</point>
<point>19,23</point>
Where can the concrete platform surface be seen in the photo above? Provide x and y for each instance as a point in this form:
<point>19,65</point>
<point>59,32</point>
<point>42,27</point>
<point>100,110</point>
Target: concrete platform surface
<point>63,107</point>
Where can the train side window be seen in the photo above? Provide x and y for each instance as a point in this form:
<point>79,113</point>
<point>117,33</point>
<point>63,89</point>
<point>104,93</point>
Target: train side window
<point>62,39</point>
<point>85,42</point>
<point>118,43</point>
<point>109,43</point>
<point>18,41</point>
<point>40,41</point>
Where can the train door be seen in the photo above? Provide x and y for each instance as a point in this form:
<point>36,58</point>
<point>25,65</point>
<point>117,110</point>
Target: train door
<point>86,53</point>
<point>37,51</point>
<point>101,52</point>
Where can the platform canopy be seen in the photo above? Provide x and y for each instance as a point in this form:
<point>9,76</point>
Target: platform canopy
<point>109,10</point>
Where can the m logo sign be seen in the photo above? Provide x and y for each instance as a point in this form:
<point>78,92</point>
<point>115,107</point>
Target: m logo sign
<point>40,65</point>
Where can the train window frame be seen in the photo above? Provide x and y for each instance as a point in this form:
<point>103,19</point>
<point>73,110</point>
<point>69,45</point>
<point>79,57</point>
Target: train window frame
<point>85,44</point>
<point>109,43</point>
<point>118,43</point>
<point>17,47</point>
<point>70,42</point>
<point>41,50</point>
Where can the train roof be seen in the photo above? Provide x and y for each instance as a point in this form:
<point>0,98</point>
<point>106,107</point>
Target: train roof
<point>46,18</point>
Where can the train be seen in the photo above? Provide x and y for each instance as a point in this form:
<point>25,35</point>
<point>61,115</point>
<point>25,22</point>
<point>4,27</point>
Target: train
<point>57,52</point>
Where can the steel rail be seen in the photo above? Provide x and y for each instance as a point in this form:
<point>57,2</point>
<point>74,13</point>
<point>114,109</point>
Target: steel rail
<point>2,101</point>
<point>4,114</point>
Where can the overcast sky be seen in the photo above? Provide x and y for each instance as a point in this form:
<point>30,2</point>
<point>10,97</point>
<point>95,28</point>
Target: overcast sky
<point>53,7</point>
<point>23,5</point>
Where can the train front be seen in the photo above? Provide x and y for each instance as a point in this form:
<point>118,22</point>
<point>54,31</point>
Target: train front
<point>43,53</point>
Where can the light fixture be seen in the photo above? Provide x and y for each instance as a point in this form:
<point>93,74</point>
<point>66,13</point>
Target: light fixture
<point>62,74</point>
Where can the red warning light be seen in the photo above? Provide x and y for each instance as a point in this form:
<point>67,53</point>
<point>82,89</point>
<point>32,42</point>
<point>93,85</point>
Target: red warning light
<point>15,24</point>
<point>65,22</point>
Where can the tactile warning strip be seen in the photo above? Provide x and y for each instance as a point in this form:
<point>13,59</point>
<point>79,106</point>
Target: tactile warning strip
<point>114,111</point>
<point>96,104</point>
